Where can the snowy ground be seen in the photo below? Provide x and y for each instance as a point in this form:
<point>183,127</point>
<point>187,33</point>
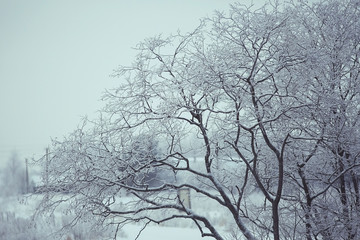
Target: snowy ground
<point>23,208</point>
<point>161,233</point>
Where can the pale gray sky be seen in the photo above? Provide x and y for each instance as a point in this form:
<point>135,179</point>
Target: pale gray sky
<point>56,57</point>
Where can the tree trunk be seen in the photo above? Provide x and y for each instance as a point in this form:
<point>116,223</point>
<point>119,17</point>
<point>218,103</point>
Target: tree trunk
<point>307,207</point>
<point>276,220</point>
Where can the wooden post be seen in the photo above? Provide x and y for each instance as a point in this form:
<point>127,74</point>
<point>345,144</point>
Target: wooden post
<point>184,197</point>
<point>47,169</point>
<point>26,176</point>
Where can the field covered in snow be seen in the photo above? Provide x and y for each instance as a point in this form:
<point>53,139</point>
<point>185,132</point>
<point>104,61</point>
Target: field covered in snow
<point>16,224</point>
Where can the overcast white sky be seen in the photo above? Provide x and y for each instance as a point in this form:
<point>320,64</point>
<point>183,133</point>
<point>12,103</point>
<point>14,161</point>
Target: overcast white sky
<point>56,58</point>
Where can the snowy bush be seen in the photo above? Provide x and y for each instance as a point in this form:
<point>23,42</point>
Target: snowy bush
<point>14,228</point>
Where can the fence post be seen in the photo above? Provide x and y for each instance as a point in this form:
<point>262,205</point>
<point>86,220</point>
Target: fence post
<point>184,197</point>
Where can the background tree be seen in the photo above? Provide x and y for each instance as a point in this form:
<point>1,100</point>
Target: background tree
<point>13,177</point>
<point>270,96</point>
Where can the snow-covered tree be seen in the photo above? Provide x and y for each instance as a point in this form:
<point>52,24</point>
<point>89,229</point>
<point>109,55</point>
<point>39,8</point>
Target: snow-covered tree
<point>329,173</point>
<point>268,99</point>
